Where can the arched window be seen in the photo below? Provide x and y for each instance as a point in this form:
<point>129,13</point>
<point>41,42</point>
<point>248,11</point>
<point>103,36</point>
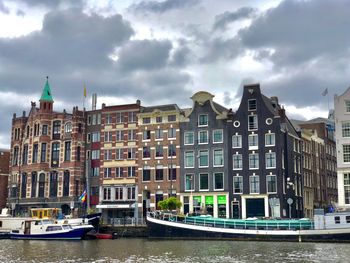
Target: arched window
<point>34,183</point>
<point>68,127</point>
<point>53,183</point>
<point>41,185</point>
<point>56,130</point>
<point>24,185</point>
<point>66,177</point>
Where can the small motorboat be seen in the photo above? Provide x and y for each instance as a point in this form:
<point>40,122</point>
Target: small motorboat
<point>47,230</point>
<point>97,235</point>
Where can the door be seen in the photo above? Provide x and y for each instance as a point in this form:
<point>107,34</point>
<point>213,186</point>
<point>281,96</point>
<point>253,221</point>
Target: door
<point>255,207</point>
<point>27,227</point>
<point>235,210</point>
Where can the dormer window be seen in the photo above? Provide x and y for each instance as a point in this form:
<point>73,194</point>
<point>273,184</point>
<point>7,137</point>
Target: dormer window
<point>347,105</point>
<point>252,104</point>
<point>203,120</point>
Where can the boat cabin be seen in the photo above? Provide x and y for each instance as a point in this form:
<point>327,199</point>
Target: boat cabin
<point>45,213</point>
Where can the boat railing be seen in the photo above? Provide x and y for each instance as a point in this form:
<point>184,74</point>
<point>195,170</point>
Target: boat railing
<point>258,224</point>
<point>126,221</point>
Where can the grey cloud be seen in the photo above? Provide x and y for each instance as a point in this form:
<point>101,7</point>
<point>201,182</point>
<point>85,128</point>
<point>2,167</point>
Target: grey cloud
<point>222,20</point>
<point>221,49</point>
<point>299,31</point>
<point>161,7</point>
<point>3,8</point>
<point>20,12</point>
<point>53,3</point>
<point>144,54</point>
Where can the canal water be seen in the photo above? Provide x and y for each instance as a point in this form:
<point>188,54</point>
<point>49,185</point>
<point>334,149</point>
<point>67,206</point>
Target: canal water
<point>144,250</point>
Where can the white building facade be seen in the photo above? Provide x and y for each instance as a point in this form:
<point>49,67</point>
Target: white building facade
<point>342,134</point>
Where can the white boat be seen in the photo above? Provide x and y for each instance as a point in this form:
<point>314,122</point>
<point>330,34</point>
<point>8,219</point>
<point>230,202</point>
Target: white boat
<point>44,229</point>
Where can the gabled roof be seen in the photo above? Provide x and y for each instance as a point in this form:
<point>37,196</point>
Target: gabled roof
<point>46,95</point>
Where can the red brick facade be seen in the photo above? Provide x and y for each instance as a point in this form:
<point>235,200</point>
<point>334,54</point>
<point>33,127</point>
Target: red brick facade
<point>4,172</point>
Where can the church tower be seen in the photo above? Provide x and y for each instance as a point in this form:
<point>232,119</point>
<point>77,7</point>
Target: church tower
<point>46,101</point>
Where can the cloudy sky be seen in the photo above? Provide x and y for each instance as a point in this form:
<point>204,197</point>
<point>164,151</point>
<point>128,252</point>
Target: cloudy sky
<point>163,51</point>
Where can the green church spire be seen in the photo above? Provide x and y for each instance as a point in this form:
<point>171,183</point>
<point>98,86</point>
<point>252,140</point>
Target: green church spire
<point>46,95</point>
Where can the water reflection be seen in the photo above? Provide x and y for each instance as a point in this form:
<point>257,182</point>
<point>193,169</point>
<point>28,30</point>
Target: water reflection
<point>143,250</point>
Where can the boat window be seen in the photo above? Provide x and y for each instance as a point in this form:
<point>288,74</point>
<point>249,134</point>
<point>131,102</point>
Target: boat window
<point>0,223</point>
<point>65,227</point>
<point>337,219</point>
<point>53,228</point>
<point>347,219</point>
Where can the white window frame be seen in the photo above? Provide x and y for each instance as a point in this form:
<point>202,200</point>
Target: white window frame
<point>250,184</point>
<point>239,139</point>
<point>222,156</point>
<point>199,184</point>
<point>253,147</point>
<point>255,127</point>
<point>192,182</point>
<point>203,125</point>
<point>199,137</point>
<point>241,189</point>
<point>185,159</point>
<point>233,162</point>
<point>223,181</point>
<point>188,132</point>
<point>253,168</point>
<point>267,183</point>
<point>222,136</point>
<point>199,156</point>
<point>267,163</point>
<point>272,136</point>
<point>249,109</point>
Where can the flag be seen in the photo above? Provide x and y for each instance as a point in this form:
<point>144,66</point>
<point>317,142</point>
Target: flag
<point>83,196</point>
<point>84,90</point>
<point>325,92</point>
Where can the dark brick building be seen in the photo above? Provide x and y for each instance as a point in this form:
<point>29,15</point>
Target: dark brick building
<point>4,173</point>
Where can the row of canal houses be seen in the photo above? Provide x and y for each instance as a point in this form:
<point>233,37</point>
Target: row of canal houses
<point>238,164</point>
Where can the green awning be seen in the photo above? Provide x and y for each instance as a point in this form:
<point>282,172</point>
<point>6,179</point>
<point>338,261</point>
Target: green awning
<point>222,199</point>
<point>209,200</point>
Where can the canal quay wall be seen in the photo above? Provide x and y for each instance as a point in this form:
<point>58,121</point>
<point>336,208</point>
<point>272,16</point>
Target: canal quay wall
<point>126,231</point>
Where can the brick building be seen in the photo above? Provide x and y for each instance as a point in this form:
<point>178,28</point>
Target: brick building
<point>4,173</point>
<point>47,157</point>
<point>159,158</point>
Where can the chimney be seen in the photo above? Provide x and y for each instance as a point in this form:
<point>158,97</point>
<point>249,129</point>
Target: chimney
<point>274,101</point>
<point>24,113</point>
<point>94,101</point>
<point>103,105</point>
<point>138,102</point>
<point>282,113</point>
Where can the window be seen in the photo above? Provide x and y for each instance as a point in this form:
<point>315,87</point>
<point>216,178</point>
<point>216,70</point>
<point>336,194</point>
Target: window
<point>25,154</point>
<point>203,120</point>
<point>43,152</point>
<point>132,116</point>
<point>107,173</point>
<point>44,130</point>
<point>119,172</point>
<point>347,105</point>
<point>203,182</point>
<point>53,183</point>
<point>252,122</point>
<point>253,161</point>
<point>146,135</point>
<point>108,119</point>
<point>347,219</point>
<point>253,141</point>
<point>119,193</point>
<point>346,129</point>
<point>237,141</point>
<point>159,134</point>
<point>34,184</point>
<point>95,136</point>
<point>119,154</point>
<point>66,176</point>
<point>35,153</point>
<point>203,137</point>
<point>95,154</point>
<point>119,117</point>
<point>189,159</point>
<point>95,171</point>
<point>159,151</point>
<point>218,157</point>
<point>172,172</point>
<point>94,119</point>
<point>254,184</point>
<point>146,120</point>
<point>347,188</point>
<point>107,193</point>
<point>131,193</point>
<point>271,184</point>
<point>67,151</point>
<point>171,150</point>
<point>269,139</point>
<point>218,181</point>
<point>131,153</point>
<point>337,219</point>
<point>15,155</point>
<point>146,152</point>
<point>132,135</point>
<point>108,136</point>
<point>55,154</point>
<point>56,129</point>
<point>189,138</point>
<point>237,184</point>
<point>99,118</point>
<point>252,104</point>
<point>108,155</point>
<point>159,173</point>
<point>159,119</point>
<point>346,153</point>
<point>270,159</point>
<point>203,158</point>
<point>189,184</point>
<point>217,136</point>
<point>237,162</point>
<point>171,118</point>
<point>119,135</point>
<point>68,127</point>
<point>146,174</point>
<point>131,171</point>
<point>171,133</point>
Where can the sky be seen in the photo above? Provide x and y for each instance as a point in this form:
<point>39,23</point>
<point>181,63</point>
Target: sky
<point>163,51</point>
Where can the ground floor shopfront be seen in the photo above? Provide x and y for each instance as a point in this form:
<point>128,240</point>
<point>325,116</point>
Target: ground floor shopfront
<point>215,204</point>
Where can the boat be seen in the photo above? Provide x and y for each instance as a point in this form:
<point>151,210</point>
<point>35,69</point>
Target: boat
<point>45,229</point>
<point>97,235</point>
<point>330,227</point>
